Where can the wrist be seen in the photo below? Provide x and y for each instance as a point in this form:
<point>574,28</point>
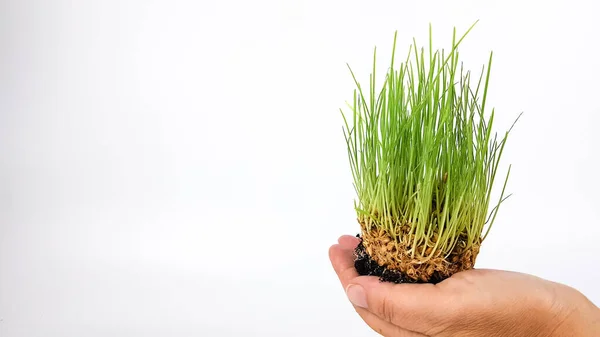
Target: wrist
<point>581,318</point>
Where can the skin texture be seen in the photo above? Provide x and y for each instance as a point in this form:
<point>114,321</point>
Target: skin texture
<point>471,303</point>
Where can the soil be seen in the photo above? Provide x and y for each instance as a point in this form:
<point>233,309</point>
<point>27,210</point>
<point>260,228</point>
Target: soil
<point>366,266</point>
<point>378,254</point>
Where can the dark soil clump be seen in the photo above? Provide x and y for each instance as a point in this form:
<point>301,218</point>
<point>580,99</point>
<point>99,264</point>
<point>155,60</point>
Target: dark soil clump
<point>366,266</point>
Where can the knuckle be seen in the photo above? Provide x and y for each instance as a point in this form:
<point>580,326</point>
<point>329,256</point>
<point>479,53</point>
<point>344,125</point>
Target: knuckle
<point>387,309</point>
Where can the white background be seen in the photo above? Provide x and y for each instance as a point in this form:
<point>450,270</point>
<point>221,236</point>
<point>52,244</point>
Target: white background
<point>177,168</point>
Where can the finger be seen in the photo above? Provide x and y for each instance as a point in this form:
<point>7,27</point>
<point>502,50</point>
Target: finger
<point>421,308</point>
<point>348,241</point>
<point>384,328</point>
<point>342,260</point>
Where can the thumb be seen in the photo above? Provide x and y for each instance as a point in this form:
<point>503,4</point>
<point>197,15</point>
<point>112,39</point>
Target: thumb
<point>422,308</point>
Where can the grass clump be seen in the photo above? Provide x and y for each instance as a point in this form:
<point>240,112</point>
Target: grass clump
<point>424,160</point>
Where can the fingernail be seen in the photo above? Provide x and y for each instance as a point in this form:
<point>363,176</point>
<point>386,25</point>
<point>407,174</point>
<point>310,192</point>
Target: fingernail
<point>356,294</point>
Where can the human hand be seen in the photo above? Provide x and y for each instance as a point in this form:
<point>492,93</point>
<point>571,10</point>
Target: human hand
<point>472,303</point>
